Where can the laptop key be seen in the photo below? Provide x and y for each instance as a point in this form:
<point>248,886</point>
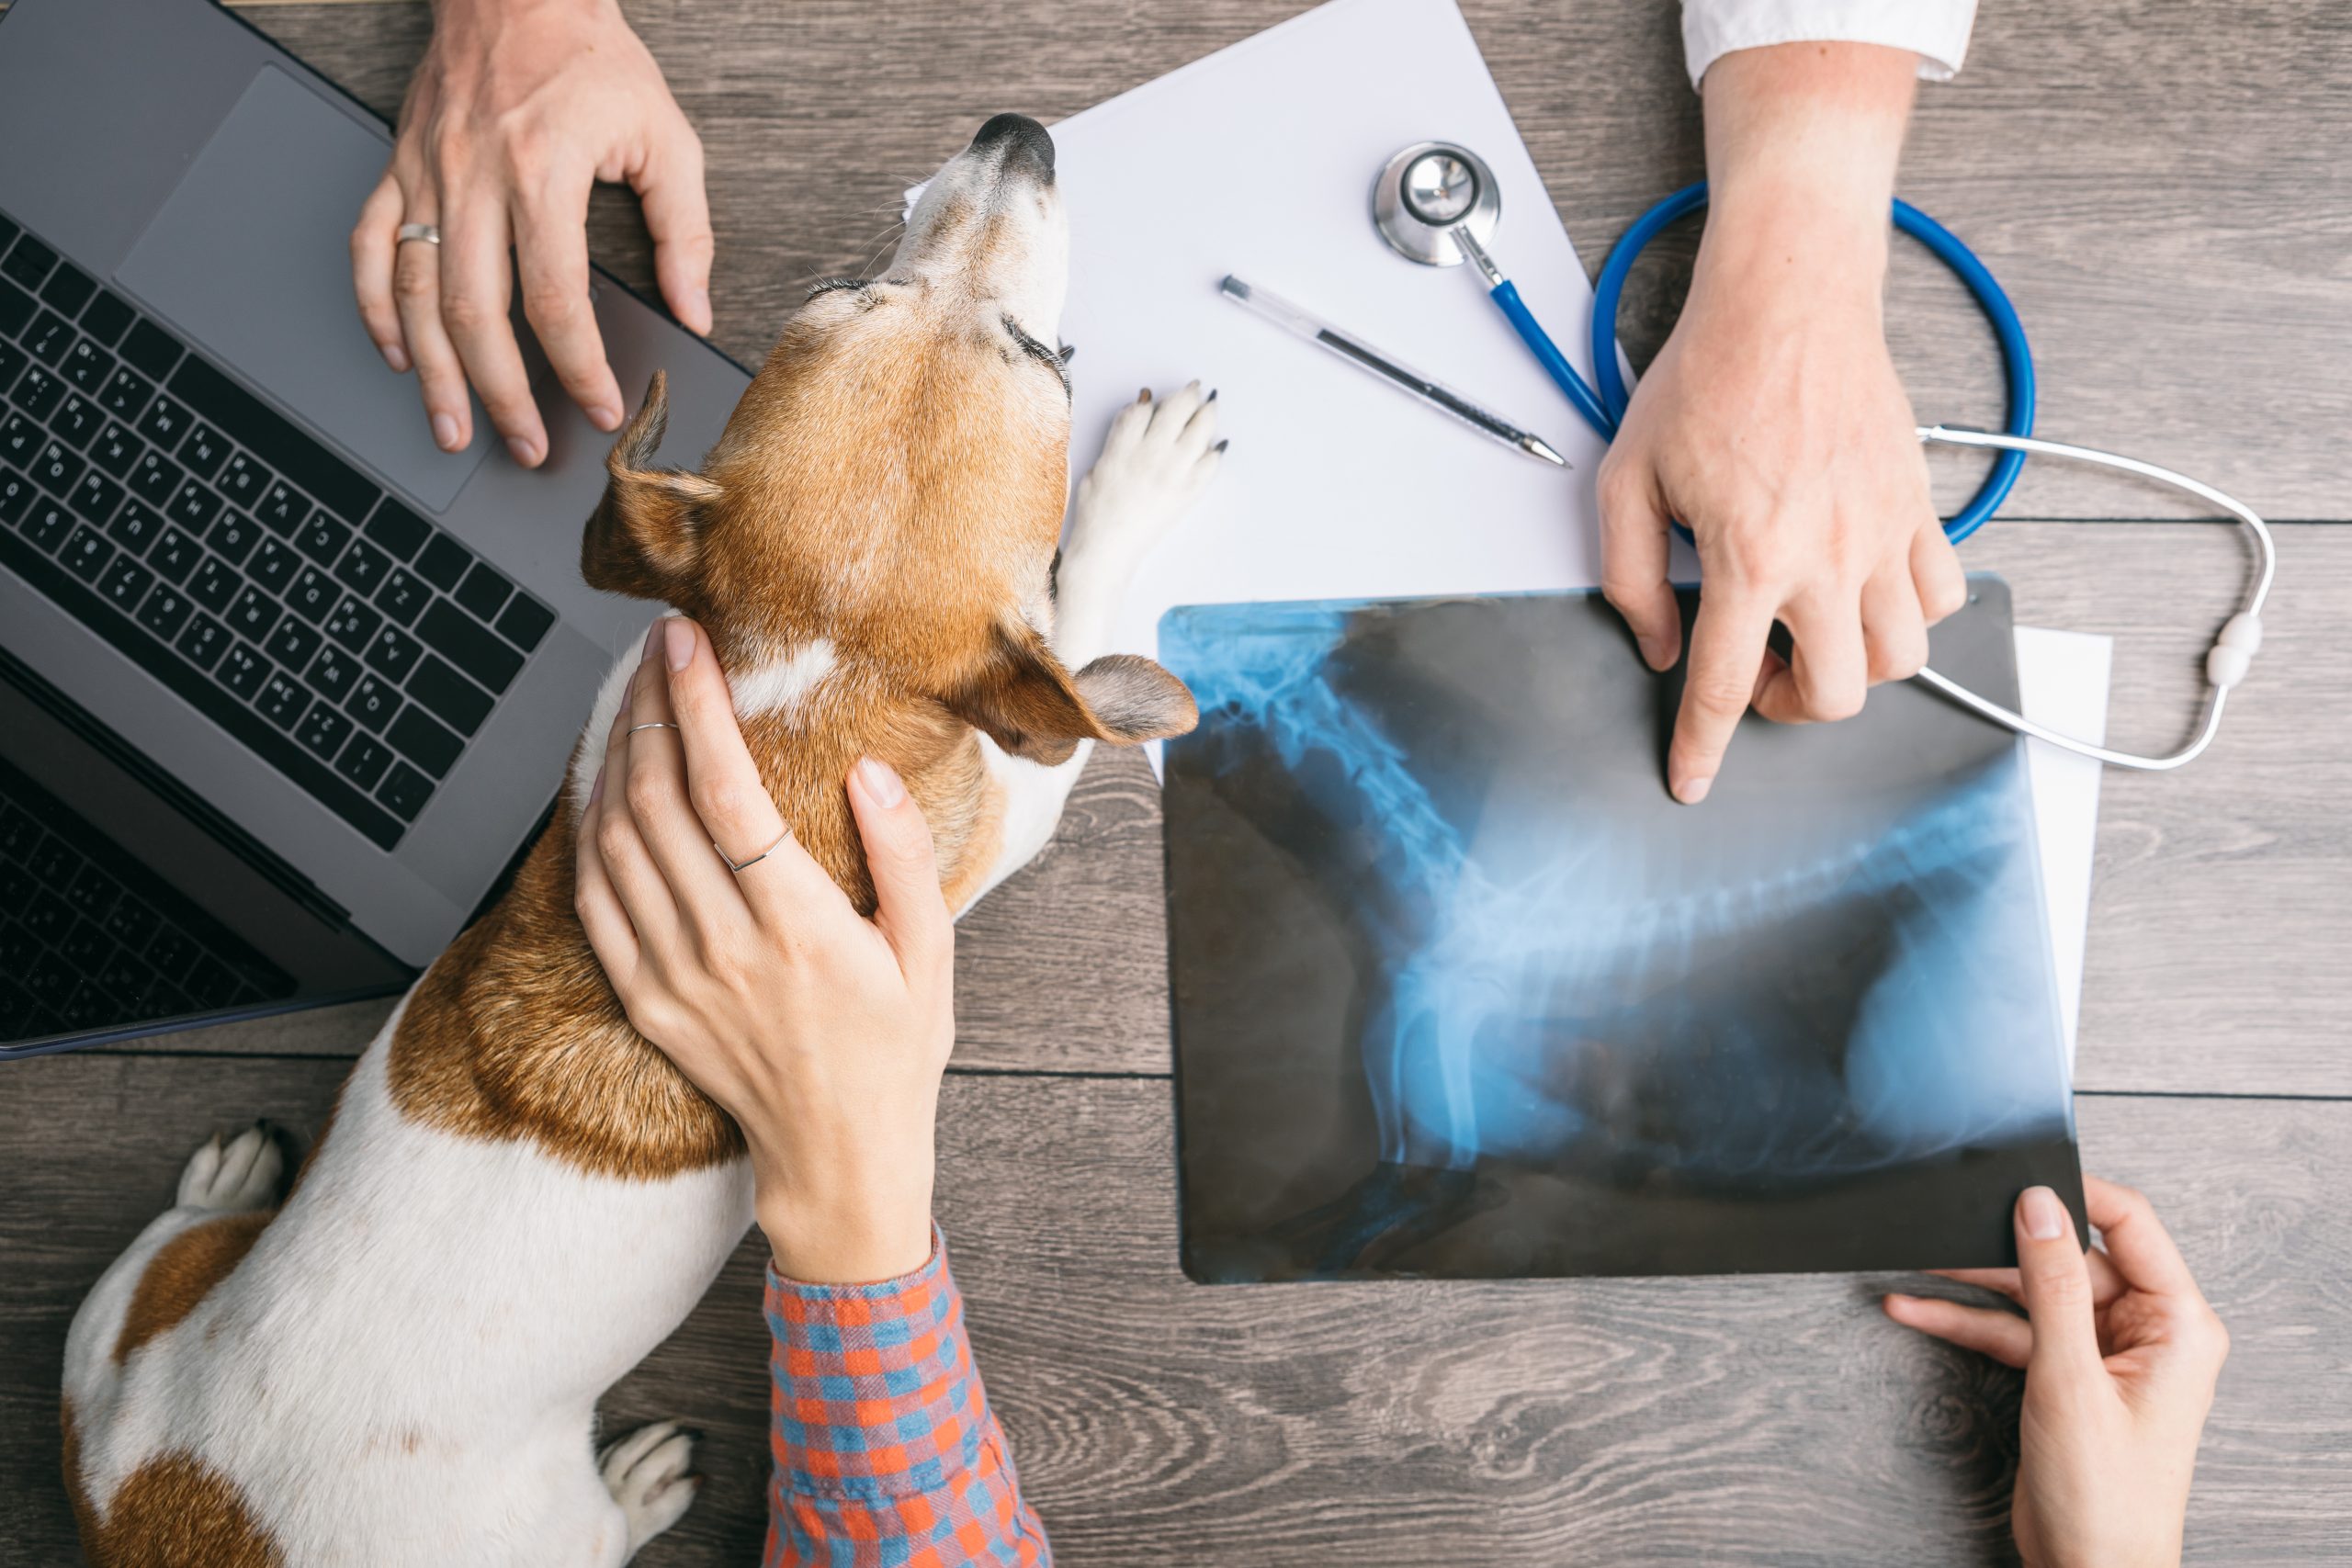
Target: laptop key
<point>69,289</point>
<point>253,614</point>
<point>393,653</point>
<point>235,536</point>
<point>204,450</point>
<point>136,526</point>
<point>16,493</point>
<point>401,598</point>
<point>292,643</point>
<point>115,449</point>
<point>352,623</point>
<point>364,760</point>
<point>283,700</point>
<point>106,318</point>
<point>398,529</point>
<point>95,497</point>
<point>526,622</point>
<point>39,392</point>
<point>48,339</point>
<point>12,361</point>
<point>125,584</point>
<point>76,420</point>
<point>423,741</point>
<point>87,365</point>
<point>165,611</point>
<point>405,792</point>
<point>485,592</point>
<point>363,566</point>
<point>126,393</point>
<point>176,554</point>
<point>243,670</point>
<point>242,479</point>
<point>321,538</point>
<point>282,507</point>
<point>29,261</point>
<point>452,698</point>
<point>215,587</point>
<point>268,435</point>
<point>193,506</point>
<point>204,642</point>
<point>274,565</point>
<point>323,731</point>
<point>445,562</point>
<point>373,703</point>
<point>334,672</point>
<point>86,553</point>
<point>47,523</point>
<point>152,349</point>
<point>165,423</point>
<point>16,308</point>
<point>154,478</point>
<point>54,468</point>
<point>20,440</point>
<point>311,594</point>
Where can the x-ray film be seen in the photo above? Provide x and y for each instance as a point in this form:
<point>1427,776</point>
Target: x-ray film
<point>1460,990</point>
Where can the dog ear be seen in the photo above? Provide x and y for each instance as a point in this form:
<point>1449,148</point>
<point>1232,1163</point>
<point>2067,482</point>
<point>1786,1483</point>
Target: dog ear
<point>641,539</point>
<point>1027,702</point>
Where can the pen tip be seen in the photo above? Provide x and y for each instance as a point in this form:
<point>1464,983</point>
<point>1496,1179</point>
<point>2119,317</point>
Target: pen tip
<point>1537,446</point>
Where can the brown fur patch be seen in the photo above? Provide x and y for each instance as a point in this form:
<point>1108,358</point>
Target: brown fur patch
<point>182,1270</point>
<point>172,1512</point>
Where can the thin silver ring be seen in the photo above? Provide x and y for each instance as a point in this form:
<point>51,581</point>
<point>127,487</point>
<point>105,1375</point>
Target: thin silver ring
<point>428,232</point>
<point>657,723</point>
<point>738,865</point>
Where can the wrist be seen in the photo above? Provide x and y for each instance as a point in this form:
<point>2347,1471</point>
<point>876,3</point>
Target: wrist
<point>877,1231</point>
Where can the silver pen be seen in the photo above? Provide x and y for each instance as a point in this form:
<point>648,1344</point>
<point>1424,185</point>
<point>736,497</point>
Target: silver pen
<point>1356,352</point>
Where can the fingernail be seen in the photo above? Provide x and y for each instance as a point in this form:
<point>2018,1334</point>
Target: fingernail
<point>882,781</point>
<point>605,417</point>
<point>1655,654</point>
<point>700,302</point>
<point>653,636</point>
<point>678,641</point>
<point>394,355</point>
<point>1690,791</point>
<point>444,431</point>
<point>526,452</point>
<point>1144,396</point>
<point>596,790</point>
<point>2045,1217</point>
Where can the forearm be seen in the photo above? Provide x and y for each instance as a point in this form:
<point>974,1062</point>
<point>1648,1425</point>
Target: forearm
<point>885,1448</point>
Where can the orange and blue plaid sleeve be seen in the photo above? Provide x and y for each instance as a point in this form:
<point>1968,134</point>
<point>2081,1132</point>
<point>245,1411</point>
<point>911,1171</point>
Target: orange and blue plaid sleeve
<point>885,1453</point>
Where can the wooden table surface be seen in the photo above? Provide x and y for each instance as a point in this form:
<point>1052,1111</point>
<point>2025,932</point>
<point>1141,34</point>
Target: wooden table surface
<point>2163,189</point>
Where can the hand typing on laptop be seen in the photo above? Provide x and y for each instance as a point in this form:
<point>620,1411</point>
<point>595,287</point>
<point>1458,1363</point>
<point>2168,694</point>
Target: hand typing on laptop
<point>518,109</point>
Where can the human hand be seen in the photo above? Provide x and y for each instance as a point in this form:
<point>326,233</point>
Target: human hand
<point>2119,1353</point>
<point>518,109</point>
<point>1772,423</point>
<point>823,1034</point>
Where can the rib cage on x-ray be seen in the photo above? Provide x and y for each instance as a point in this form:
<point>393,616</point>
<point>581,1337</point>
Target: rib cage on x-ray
<point>1841,996</point>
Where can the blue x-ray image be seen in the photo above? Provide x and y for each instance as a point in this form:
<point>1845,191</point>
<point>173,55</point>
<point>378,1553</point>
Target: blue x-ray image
<point>1459,990</point>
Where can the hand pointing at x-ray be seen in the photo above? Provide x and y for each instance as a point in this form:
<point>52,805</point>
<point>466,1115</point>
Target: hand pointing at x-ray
<point>519,108</point>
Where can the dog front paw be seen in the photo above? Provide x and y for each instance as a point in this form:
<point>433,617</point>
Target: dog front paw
<point>234,1176</point>
<point>1161,454</point>
<point>645,1473</point>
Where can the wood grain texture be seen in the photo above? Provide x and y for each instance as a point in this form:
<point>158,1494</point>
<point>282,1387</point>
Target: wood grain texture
<point>2158,185</point>
<point>1758,1420</point>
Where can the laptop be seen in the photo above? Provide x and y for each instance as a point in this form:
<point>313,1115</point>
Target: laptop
<point>284,688</point>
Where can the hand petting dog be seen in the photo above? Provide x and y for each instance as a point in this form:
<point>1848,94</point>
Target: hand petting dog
<point>823,1034</point>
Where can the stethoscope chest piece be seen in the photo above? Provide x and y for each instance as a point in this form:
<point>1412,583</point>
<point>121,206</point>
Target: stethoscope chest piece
<point>1427,191</point>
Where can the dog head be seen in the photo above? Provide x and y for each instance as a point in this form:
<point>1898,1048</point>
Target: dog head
<point>883,509</point>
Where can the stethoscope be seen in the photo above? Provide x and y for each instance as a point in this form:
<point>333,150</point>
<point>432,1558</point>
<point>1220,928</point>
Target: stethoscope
<point>1438,204</point>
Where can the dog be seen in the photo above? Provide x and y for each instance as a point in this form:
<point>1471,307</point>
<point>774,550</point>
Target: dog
<point>517,1197</point>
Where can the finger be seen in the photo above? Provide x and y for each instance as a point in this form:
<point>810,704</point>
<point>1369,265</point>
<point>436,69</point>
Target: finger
<point>416,291</point>
<point>1634,553</point>
<point>476,289</point>
<point>552,251</point>
<point>1726,645</point>
<point>1895,634</point>
<point>2136,1240</point>
<point>1827,671</point>
<point>908,907</point>
<point>656,793</point>
<point>1989,1331</point>
<point>2106,1283</point>
<point>593,897</point>
<point>645,896</point>
<point>2056,1289</point>
<point>1936,575</point>
<point>677,215</point>
<point>373,240</point>
<point>729,798</point>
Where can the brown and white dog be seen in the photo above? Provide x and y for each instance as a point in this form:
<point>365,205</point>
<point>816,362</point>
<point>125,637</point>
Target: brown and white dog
<point>519,1197</point>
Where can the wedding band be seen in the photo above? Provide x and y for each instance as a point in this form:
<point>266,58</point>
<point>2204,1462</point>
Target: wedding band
<point>633,729</point>
<point>738,865</point>
<point>428,232</point>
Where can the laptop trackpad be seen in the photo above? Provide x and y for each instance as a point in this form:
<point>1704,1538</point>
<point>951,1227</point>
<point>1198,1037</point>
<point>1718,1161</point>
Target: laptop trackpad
<point>250,257</point>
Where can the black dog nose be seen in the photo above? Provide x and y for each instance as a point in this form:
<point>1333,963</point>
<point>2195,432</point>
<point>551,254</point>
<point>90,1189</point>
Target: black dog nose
<point>1023,140</point>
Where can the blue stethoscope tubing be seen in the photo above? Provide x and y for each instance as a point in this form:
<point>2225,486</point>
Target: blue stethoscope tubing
<point>1603,406</point>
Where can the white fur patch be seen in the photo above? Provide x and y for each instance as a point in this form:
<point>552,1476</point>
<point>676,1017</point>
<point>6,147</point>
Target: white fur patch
<point>600,724</point>
<point>782,684</point>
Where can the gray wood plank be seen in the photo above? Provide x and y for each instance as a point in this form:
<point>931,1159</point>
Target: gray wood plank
<point>2157,186</point>
<point>1763,1419</point>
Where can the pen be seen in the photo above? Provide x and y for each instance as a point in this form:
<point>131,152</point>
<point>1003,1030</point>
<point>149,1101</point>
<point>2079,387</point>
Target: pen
<point>1281,311</point>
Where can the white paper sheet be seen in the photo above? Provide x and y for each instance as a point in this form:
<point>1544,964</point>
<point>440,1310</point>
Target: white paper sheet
<point>1259,161</point>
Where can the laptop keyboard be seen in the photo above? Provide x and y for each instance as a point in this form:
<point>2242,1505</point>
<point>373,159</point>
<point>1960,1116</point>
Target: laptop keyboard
<point>89,938</point>
<point>348,642</point>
